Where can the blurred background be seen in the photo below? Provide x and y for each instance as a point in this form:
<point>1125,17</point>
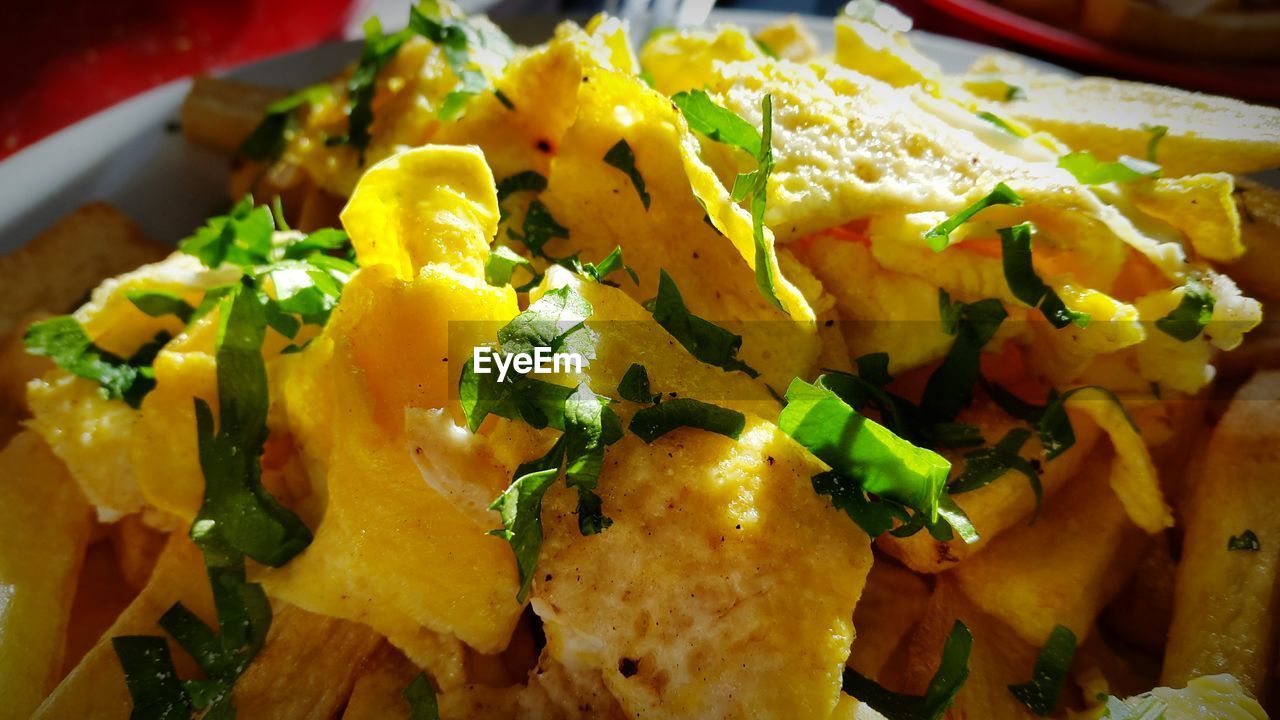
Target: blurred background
<point>64,60</point>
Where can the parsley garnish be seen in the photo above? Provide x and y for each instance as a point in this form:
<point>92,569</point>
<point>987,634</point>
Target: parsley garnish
<point>653,422</point>
<point>601,271</point>
<point>241,237</point>
<point>1193,313</point>
<point>530,180</point>
<point>378,50</point>
<point>1157,134</point>
<point>950,387</point>
<point>704,340</point>
<point>634,385</point>
<point>502,264</point>
<point>422,699</point>
<point>621,157</point>
<point>940,235</point>
<point>982,467</point>
<point>149,674</point>
<point>1050,421</point>
<point>1247,540</point>
<point>1040,694</point>
<point>158,303</point>
<point>539,228</point>
<point>520,506</point>
<point>1026,285</point>
<point>953,670</point>
<point>586,432</point>
<point>1091,171</point>
<point>459,38</point>
<point>1000,123</point>
<point>502,98</point>
<point>64,341</point>
<point>267,141</point>
<point>874,459</point>
<point>722,125</point>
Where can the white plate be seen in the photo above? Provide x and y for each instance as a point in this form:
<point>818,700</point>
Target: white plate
<point>132,156</point>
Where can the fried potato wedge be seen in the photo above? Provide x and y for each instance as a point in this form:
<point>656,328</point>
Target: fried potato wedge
<point>221,112</point>
<point>892,603</point>
<point>1226,601</point>
<point>44,527</point>
<point>62,264</point>
<point>1259,209</point>
<point>17,368</point>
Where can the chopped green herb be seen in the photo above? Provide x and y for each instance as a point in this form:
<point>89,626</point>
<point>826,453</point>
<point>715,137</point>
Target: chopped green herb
<point>950,388</point>
<point>1040,694</point>
<point>1247,540</point>
<point>621,157</point>
<point>557,321</point>
<point>153,682</point>
<point>764,48</point>
<point>539,228</point>
<point>530,180</point>
<point>717,123</point>
<point>422,699</point>
<point>1050,421</point>
<point>881,462</point>
<point>585,440</point>
<point>1026,285</point>
<point>611,263</point>
<point>502,264</point>
<point>268,139</point>
<point>378,50</point>
<point>1013,92</point>
<point>1157,134</point>
<point>502,98</point>
<point>956,435</point>
<point>158,303</point>
<point>241,237</point>
<point>1192,315</point>
<point>1091,171</point>
<point>238,514</point>
<point>704,340</point>
<point>953,670</point>
<point>64,341</point>
<point>318,241</point>
<point>635,385</point>
<point>982,467</point>
<point>940,235</point>
<point>655,421</point>
<point>1000,123</point>
<point>520,506</point>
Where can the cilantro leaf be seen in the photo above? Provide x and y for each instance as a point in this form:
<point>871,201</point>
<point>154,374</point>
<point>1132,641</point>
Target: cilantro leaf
<point>1001,123</point>
<point>503,263</point>
<point>874,517</point>
<point>621,157</point>
<point>377,51</point>
<point>64,341</point>
<point>881,462</point>
<point>238,515</point>
<point>1040,694</point>
<point>149,674</point>
<point>953,670</point>
<point>955,435</point>
<point>950,388</point>
<point>611,263</point>
<point>1247,540</point>
<point>717,123</point>
<point>1026,285</point>
<point>520,506</point>
<point>529,180</point>
<point>158,303</point>
<point>704,340</point>
<point>268,139</point>
<point>557,321</point>
<point>635,385</point>
<point>653,422</point>
<point>1193,313</point>
<point>241,237</point>
<point>539,228</point>
<point>318,241</point>
<point>982,467</point>
<point>459,39</point>
<point>584,433</point>
<point>939,236</point>
<point>422,699</point>
<point>1091,171</point>
<point>1157,134</point>
<point>1050,421</point>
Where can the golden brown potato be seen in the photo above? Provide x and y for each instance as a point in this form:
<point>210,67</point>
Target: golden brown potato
<point>17,366</point>
<point>102,593</point>
<point>1225,601</point>
<point>1258,271</point>
<point>62,264</point>
<point>892,602</point>
<point>220,112</point>
<point>1141,613</point>
<point>44,526</point>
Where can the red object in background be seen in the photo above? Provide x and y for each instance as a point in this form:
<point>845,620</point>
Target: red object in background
<point>1248,81</point>
<point>64,60</point>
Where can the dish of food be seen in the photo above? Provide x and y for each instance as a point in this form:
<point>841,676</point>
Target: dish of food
<point>725,378</point>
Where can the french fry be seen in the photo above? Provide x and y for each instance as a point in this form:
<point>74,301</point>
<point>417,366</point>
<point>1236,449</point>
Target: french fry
<point>1141,613</point>
<point>1107,117</point>
<point>999,657</point>
<point>1063,568</point>
<point>306,669</point>
<point>137,547</point>
<point>221,113</point>
<point>95,688</point>
<point>102,593</point>
<point>17,366</point>
<point>892,602</point>
<point>57,268</point>
<point>44,526</point>
<point>377,693</point>
<point>1225,601</point>
<point>1259,208</point>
